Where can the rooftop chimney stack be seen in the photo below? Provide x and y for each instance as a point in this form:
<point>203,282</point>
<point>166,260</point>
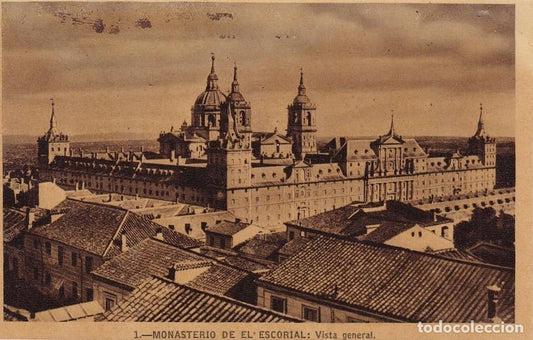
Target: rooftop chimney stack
<point>172,273</point>
<point>30,218</point>
<point>159,234</point>
<point>434,216</point>
<point>123,241</point>
<point>493,295</point>
<point>172,155</point>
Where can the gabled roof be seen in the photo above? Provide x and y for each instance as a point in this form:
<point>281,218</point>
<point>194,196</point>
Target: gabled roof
<point>270,137</point>
<point>97,228</point>
<point>162,300</point>
<point>264,246</point>
<point>14,224</point>
<point>155,257</point>
<point>396,283</point>
<point>228,228</point>
<point>386,231</point>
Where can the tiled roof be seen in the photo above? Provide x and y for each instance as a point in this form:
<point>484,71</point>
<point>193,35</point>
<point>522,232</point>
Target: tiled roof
<point>85,310</point>
<point>352,220</point>
<point>293,246</point>
<point>396,283</point>
<point>161,300</point>
<point>386,231</point>
<point>97,229</point>
<point>458,255</point>
<point>264,246</point>
<point>14,224</point>
<point>227,228</point>
<point>494,254</point>
<point>154,257</point>
<point>234,259</point>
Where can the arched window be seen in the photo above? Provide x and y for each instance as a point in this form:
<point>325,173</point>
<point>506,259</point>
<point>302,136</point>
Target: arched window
<point>309,118</point>
<point>243,118</point>
<point>212,120</point>
<point>277,146</point>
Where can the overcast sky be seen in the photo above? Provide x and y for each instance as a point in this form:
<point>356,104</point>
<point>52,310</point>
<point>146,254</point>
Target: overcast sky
<point>141,67</point>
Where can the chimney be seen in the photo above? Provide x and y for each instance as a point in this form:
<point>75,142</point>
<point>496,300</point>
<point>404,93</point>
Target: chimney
<point>159,234</point>
<point>493,295</point>
<point>30,218</point>
<point>54,180</point>
<point>123,241</point>
<point>237,220</point>
<point>82,185</point>
<point>434,216</point>
<point>136,197</point>
<point>172,155</point>
<point>172,273</point>
<point>77,186</point>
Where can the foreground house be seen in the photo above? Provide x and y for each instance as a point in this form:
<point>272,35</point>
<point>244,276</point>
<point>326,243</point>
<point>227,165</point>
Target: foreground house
<point>60,256</point>
<point>333,279</point>
<point>118,277</point>
<point>162,300</point>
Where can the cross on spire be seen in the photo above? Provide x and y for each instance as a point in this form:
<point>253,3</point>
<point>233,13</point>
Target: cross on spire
<point>53,121</point>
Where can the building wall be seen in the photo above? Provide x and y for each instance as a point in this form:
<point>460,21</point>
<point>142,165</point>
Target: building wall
<point>13,262</point>
<point>271,198</point>
<point>104,291</point>
<point>38,261</point>
<point>420,239</point>
<point>327,313</point>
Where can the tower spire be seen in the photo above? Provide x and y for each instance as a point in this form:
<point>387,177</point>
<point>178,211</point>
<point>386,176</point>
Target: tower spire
<point>391,131</point>
<point>480,124</point>
<point>212,78</point>
<point>53,121</point>
<point>235,83</point>
<point>301,87</point>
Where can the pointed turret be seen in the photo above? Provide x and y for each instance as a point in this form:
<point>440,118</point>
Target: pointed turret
<point>235,95</point>
<point>480,132</point>
<point>53,121</point>
<point>212,78</point>
<point>301,87</point>
<point>391,130</point>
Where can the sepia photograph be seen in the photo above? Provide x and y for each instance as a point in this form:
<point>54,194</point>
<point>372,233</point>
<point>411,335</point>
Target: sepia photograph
<point>219,162</point>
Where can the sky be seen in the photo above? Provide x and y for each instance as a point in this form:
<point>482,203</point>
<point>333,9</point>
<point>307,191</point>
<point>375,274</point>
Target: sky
<point>138,67</point>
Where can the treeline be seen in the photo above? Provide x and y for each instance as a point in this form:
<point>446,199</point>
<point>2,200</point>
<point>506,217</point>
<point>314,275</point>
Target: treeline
<point>485,225</point>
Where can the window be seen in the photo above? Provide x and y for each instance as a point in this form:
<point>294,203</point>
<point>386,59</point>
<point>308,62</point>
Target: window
<point>109,303</point>
<point>88,265</point>
<point>35,243</point>
<point>35,273</point>
<point>310,314</point>
<point>211,241</point>
<point>188,228</point>
<point>222,243</point>
<point>291,235</point>
<point>203,225</point>
<point>48,279</point>
<point>74,290</point>
<point>90,294</point>
<point>278,304</point>
<point>48,248</point>
<point>74,259</point>
<point>60,255</point>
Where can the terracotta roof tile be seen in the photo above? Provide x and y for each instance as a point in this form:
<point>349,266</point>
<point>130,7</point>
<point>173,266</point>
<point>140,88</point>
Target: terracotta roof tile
<point>394,282</point>
<point>14,224</point>
<point>161,300</point>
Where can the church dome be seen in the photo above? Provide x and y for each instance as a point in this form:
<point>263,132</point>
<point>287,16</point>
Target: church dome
<point>212,97</point>
<point>301,98</point>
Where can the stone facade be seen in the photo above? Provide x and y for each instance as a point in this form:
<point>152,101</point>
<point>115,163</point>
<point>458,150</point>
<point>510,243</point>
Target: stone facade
<point>216,161</point>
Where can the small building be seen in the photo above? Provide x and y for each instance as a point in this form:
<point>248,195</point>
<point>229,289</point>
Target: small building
<point>333,279</point>
<point>395,223</point>
<point>229,234</point>
<point>162,300</point>
<point>60,256</point>
<point>118,277</point>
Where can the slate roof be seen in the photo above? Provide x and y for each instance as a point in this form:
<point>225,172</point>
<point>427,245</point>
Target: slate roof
<point>394,282</point>
<point>235,259</point>
<point>227,228</point>
<point>14,224</point>
<point>161,300</point>
<point>97,228</point>
<point>352,220</point>
<point>154,257</point>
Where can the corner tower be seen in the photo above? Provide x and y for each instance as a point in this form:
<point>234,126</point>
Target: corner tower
<point>482,144</point>
<point>53,143</point>
<point>301,125</point>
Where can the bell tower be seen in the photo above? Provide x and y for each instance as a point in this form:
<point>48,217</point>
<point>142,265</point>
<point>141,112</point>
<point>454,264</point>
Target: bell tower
<point>301,125</point>
<point>482,144</point>
<point>53,143</point>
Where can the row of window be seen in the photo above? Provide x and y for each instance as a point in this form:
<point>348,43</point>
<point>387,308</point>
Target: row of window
<point>279,304</point>
<point>61,254</point>
<point>89,292</point>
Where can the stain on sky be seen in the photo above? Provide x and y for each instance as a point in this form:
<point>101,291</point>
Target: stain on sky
<point>143,23</point>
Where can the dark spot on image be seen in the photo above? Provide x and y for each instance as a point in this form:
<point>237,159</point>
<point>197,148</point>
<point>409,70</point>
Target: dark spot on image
<point>98,26</point>
<point>143,23</point>
<point>218,16</point>
<point>114,29</point>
